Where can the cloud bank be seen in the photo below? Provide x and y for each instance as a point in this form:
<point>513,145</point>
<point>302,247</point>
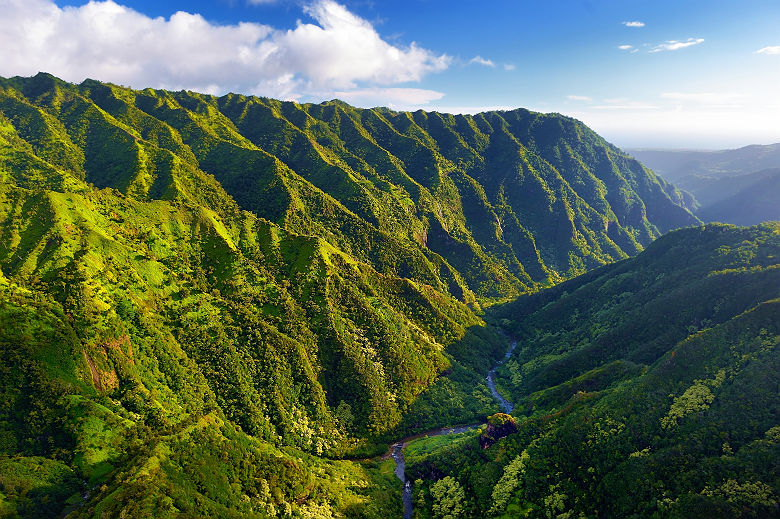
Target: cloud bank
<point>110,42</point>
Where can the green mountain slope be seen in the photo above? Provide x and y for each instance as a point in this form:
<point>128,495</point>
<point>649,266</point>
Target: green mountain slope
<point>204,301</point>
<point>483,206</point>
<point>644,388</point>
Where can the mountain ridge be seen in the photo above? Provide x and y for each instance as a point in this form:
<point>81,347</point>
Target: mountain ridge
<point>645,388</point>
<point>329,145</point>
<point>190,280</point>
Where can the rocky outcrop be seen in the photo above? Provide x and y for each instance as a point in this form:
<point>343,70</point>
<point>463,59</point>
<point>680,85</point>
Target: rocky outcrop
<point>499,426</point>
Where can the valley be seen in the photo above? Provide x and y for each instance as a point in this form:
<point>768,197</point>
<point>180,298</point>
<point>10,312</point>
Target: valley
<point>233,306</point>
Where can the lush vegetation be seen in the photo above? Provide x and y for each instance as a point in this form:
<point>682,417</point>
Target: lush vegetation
<point>208,305</point>
<point>644,388</point>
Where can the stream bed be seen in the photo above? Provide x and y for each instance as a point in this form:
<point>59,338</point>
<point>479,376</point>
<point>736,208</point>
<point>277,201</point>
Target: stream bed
<point>396,449</point>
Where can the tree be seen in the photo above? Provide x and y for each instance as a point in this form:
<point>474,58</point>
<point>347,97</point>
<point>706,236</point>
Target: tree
<point>449,499</point>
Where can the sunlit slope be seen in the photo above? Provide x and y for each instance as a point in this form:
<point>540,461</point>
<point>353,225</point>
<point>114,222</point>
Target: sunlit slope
<point>484,206</point>
<point>199,296</point>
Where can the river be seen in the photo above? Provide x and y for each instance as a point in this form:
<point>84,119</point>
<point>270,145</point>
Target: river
<point>396,449</point>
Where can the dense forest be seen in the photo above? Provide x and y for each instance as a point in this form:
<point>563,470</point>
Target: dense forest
<point>228,306</point>
<point>644,388</point>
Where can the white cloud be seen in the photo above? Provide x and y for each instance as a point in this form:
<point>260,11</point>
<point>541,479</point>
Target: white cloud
<point>260,2</point>
<point>625,47</point>
<point>622,104</point>
<point>769,50</point>
<point>634,24</point>
<point>624,107</point>
<point>397,98</point>
<point>110,42</point>
<point>455,110</point>
<point>509,66</point>
<point>706,98</point>
<point>578,98</point>
<point>676,45</point>
<point>479,60</point>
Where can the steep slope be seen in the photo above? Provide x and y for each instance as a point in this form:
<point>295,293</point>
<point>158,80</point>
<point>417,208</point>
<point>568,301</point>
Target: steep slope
<point>644,388</point>
<point>155,322</point>
<point>202,297</point>
<point>486,206</point>
<point>756,203</point>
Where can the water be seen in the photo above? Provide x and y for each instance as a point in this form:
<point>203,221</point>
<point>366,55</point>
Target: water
<point>505,404</point>
<point>396,450</point>
<point>400,465</point>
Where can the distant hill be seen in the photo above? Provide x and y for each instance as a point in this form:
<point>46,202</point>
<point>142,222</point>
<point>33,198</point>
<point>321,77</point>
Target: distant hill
<point>733,186</point>
<point>712,191</point>
<point>680,165</point>
<point>756,203</point>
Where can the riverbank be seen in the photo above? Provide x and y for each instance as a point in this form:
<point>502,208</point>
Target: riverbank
<point>396,448</point>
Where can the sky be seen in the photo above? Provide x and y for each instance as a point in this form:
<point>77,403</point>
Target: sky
<point>643,73</point>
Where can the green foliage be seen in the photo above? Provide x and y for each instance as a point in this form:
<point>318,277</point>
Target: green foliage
<point>35,487</point>
<point>689,432</point>
<point>500,419</point>
<point>506,486</point>
<point>449,499</point>
<point>205,302</point>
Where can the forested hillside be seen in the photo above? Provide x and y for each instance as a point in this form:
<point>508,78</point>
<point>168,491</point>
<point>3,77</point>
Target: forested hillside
<point>204,301</point>
<point>644,388</point>
<point>488,205</point>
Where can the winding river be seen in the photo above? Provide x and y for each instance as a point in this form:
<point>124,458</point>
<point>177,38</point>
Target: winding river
<point>506,405</point>
<point>396,449</point>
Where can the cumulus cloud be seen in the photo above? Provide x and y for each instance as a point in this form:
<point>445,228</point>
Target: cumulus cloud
<point>634,24</point>
<point>578,98</point>
<point>625,47</point>
<point>111,42</point>
<point>509,66</point>
<point>676,45</point>
<point>479,60</point>
<point>775,49</point>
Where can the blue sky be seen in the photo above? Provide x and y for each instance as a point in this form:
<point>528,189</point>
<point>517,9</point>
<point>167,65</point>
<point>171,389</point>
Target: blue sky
<point>695,74</point>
